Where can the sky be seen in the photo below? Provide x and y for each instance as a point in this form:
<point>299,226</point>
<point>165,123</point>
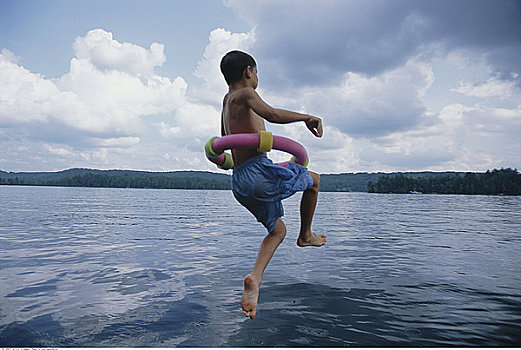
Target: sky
<point>402,85</point>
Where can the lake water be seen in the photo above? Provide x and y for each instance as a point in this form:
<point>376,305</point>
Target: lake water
<point>85,267</point>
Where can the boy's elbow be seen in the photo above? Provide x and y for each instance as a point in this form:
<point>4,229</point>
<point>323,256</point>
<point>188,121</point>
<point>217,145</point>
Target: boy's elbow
<point>272,116</point>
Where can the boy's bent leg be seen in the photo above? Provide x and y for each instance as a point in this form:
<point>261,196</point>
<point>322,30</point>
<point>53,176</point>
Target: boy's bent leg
<point>253,280</point>
<point>307,210</point>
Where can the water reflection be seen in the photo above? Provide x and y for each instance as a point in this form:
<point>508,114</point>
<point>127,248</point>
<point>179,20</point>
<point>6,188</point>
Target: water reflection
<point>304,314</point>
<point>319,315</point>
<point>159,323</point>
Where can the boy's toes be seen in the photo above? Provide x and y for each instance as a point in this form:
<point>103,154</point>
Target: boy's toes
<point>248,312</point>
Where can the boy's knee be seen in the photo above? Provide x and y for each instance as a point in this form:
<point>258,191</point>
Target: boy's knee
<point>316,179</point>
<point>279,230</point>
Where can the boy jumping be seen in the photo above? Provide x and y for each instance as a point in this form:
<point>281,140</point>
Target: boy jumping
<point>257,183</point>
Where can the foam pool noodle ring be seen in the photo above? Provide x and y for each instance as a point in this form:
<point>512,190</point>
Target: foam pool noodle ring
<point>210,153</point>
<point>228,162</point>
<point>213,156</point>
<point>263,142</point>
<point>293,160</point>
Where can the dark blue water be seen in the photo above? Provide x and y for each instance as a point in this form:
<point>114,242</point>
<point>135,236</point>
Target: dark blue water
<point>164,268</point>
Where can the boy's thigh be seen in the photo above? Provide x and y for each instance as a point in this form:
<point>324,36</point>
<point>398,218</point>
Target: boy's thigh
<point>267,188</point>
<point>266,213</point>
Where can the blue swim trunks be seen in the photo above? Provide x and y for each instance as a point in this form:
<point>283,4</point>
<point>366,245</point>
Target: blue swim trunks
<point>260,186</point>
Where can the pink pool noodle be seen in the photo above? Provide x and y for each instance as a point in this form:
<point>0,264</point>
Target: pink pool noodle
<point>251,140</point>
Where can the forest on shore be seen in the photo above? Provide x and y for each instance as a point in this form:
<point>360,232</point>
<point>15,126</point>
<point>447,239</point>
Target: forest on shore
<point>503,181</point>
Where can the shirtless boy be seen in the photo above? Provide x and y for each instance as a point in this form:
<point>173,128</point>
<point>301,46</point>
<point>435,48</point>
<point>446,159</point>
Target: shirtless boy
<point>257,183</point>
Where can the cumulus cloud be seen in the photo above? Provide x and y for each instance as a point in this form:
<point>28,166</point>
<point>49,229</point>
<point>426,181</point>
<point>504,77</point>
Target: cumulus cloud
<point>26,97</point>
<point>102,103</point>
<point>99,48</point>
<point>220,42</point>
<point>192,125</point>
<point>363,106</point>
<point>481,135</point>
<point>109,88</point>
<point>116,100</point>
<point>465,138</point>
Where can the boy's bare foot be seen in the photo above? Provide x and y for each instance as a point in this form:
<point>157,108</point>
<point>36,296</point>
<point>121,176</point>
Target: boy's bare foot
<point>250,296</point>
<point>311,240</point>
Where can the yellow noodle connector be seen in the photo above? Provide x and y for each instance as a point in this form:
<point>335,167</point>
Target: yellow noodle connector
<point>266,141</point>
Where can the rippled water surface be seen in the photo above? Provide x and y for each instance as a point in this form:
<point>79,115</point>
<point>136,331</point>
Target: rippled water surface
<point>164,268</point>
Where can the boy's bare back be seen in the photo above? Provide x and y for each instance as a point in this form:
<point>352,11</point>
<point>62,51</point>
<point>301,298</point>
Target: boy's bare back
<point>238,117</point>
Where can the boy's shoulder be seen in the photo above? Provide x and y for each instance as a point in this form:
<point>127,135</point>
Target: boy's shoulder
<point>244,91</point>
<point>239,95</point>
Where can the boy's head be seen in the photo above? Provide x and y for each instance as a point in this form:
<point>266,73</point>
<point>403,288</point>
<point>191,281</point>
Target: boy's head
<point>233,65</point>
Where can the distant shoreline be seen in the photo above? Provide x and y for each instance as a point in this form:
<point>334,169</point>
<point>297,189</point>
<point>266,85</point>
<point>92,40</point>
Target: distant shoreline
<point>496,182</point>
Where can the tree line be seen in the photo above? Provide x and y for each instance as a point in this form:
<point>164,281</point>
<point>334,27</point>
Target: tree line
<point>504,181</point>
<point>126,180</point>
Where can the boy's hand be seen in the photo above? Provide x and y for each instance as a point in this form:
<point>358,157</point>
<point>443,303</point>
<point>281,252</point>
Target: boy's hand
<point>314,125</point>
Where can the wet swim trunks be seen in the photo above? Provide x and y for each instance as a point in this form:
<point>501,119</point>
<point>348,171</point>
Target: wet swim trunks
<point>260,186</point>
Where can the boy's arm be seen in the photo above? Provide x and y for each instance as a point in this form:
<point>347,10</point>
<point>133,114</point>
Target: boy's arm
<point>281,116</point>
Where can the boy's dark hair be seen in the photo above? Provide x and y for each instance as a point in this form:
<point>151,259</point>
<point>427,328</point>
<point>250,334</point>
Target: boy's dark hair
<point>233,65</point>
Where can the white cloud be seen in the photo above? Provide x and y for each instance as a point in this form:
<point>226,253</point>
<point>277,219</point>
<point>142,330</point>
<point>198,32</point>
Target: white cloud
<point>99,48</point>
<point>492,87</point>
<point>102,102</point>
<point>9,56</point>
<point>486,136</point>
<point>465,138</point>
<point>114,101</point>
<point>221,41</point>
<point>362,106</point>
<point>59,151</point>
<point>88,98</point>
<point>25,97</point>
<point>109,88</point>
<point>191,126</point>
<point>168,131</point>
<point>117,141</point>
